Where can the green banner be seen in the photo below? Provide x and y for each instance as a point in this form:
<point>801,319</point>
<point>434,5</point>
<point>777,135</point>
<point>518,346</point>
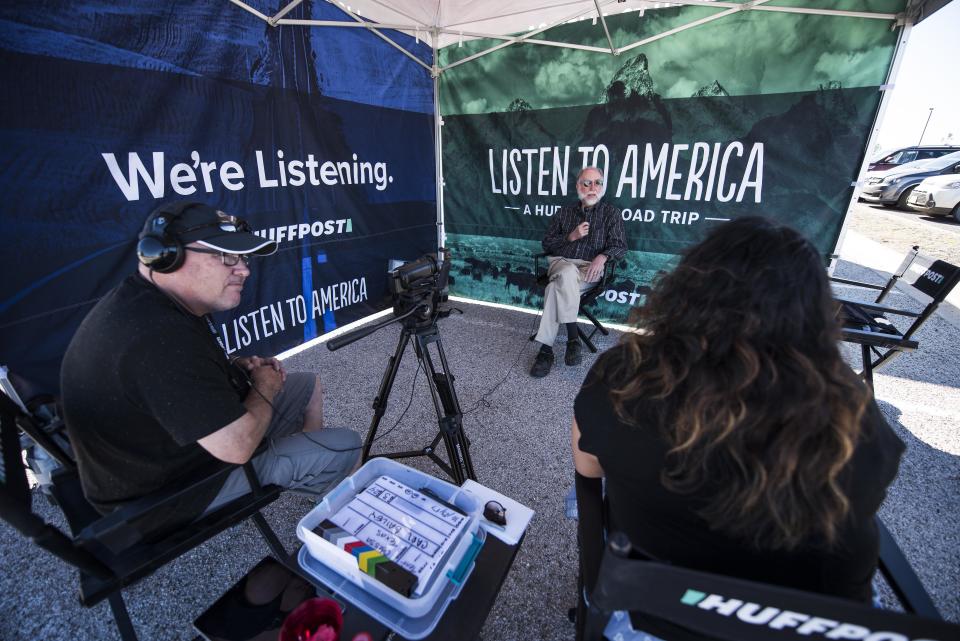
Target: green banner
<point>755,113</point>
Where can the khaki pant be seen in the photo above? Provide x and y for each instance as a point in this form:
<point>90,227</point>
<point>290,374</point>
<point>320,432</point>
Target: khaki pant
<point>561,300</point>
<point>305,462</point>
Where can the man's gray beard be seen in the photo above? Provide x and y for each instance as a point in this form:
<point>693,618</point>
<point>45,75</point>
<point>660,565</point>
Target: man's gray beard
<point>587,203</point>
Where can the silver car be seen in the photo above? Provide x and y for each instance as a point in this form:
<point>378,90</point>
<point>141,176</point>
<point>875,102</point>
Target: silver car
<point>893,187</point>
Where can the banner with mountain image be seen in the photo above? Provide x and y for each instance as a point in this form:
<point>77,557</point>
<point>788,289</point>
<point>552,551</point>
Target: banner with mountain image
<point>755,113</point>
<point>114,108</point>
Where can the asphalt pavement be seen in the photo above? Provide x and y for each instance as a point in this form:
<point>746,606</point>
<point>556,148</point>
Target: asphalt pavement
<point>520,433</point>
<point>899,230</point>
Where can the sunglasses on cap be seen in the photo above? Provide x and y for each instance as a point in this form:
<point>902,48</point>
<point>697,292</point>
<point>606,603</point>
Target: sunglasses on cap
<point>226,223</point>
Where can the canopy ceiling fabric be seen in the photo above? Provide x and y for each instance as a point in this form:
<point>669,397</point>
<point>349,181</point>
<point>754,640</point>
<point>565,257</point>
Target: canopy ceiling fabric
<point>457,21</point>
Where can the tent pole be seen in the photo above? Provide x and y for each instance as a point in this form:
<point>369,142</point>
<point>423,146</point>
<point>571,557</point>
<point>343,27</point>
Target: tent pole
<point>613,50</point>
<point>437,147</point>
<point>885,91</point>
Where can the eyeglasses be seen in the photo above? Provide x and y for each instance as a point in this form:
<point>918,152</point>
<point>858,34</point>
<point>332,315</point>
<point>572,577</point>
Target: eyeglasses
<point>228,260</point>
<point>587,184</point>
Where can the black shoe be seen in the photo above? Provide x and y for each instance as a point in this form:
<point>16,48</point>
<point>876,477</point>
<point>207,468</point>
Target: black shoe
<point>574,353</point>
<point>541,366</point>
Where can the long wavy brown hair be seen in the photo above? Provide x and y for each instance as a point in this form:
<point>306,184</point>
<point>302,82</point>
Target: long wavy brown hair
<point>738,344</point>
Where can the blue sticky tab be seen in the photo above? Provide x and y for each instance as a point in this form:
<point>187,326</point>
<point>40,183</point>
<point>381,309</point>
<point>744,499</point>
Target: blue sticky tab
<point>457,574</point>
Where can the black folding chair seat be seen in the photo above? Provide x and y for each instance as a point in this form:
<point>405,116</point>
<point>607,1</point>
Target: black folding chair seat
<point>587,297</point>
<point>112,551</point>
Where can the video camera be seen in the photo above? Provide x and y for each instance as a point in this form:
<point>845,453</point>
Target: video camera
<point>421,283</point>
<point>417,288</point>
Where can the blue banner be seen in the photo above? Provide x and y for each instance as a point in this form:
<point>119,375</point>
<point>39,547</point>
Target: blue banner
<point>322,139</point>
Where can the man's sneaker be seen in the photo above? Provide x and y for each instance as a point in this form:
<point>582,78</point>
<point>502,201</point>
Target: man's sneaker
<point>574,353</point>
<point>543,363</point>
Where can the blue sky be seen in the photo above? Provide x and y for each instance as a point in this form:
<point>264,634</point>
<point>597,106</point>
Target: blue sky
<point>927,78</point>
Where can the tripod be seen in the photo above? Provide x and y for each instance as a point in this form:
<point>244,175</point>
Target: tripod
<point>460,467</point>
<point>420,325</point>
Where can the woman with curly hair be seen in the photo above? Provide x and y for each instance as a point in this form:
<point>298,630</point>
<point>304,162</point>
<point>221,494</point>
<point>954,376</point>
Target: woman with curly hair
<point>733,437</point>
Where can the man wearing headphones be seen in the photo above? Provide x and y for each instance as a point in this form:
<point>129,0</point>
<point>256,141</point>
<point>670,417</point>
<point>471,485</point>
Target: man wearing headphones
<point>150,395</point>
<point>580,240</point>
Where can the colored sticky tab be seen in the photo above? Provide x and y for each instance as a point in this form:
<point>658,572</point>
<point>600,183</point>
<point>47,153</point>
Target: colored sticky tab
<point>364,557</point>
<point>355,547</point>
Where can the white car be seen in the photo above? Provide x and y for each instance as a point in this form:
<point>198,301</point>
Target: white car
<point>937,195</point>
<point>892,188</point>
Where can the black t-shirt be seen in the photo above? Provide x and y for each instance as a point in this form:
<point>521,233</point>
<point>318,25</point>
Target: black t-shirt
<point>665,524</point>
<point>142,381</point>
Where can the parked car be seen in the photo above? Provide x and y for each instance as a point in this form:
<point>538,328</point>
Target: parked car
<point>910,154</point>
<point>892,188</point>
<point>938,195</point>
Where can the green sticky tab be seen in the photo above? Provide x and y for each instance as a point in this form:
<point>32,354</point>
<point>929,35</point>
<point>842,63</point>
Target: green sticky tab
<point>692,597</point>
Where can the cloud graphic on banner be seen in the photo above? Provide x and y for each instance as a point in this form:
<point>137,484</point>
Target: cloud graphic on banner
<point>572,77</point>
<point>852,64</point>
<point>476,106</point>
<point>683,87</point>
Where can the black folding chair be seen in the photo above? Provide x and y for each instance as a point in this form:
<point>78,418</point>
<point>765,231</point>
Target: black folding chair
<point>111,552</point>
<point>685,605</point>
<point>868,325</point>
<point>587,297</point>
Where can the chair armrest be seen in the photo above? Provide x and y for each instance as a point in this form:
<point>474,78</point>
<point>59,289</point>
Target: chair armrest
<point>609,269</point>
<point>590,527</point>
<point>873,307</point>
<point>856,283</point>
<point>878,339</point>
<point>539,276</point>
<point>118,530</point>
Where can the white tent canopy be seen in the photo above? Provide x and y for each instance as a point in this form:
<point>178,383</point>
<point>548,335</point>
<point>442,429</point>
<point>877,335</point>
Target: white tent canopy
<point>441,23</point>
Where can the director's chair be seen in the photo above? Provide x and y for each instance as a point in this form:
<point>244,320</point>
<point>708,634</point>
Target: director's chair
<point>587,297</point>
<point>678,604</point>
<point>110,551</point>
<point>869,323</point>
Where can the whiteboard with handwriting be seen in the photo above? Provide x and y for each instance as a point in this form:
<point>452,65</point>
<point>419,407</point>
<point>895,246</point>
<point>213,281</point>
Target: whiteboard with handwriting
<point>409,527</point>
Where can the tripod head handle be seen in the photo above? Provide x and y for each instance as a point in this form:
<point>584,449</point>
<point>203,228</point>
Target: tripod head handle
<point>351,337</point>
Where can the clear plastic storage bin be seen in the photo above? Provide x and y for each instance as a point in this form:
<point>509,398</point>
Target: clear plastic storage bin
<point>413,616</point>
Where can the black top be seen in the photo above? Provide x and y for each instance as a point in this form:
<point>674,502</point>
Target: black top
<point>664,524</point>
<point>606,232</point>
<point>142,381</point>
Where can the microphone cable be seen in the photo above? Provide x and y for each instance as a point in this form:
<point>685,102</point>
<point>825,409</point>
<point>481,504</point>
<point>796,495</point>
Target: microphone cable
<point>484,401</point>
<point>284,417</point>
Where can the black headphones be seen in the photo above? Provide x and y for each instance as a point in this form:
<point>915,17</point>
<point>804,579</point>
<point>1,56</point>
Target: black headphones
<point>158,248</point>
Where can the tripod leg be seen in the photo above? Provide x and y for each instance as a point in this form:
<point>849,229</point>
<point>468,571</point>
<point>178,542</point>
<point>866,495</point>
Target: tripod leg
<point>380,402</point>
<point>454,408</point>
<point>451,418</point>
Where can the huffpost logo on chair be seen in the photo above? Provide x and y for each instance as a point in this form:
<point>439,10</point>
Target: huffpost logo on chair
<point>805,624</point>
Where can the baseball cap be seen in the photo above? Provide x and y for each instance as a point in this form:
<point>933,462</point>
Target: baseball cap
<point>202,224</point>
